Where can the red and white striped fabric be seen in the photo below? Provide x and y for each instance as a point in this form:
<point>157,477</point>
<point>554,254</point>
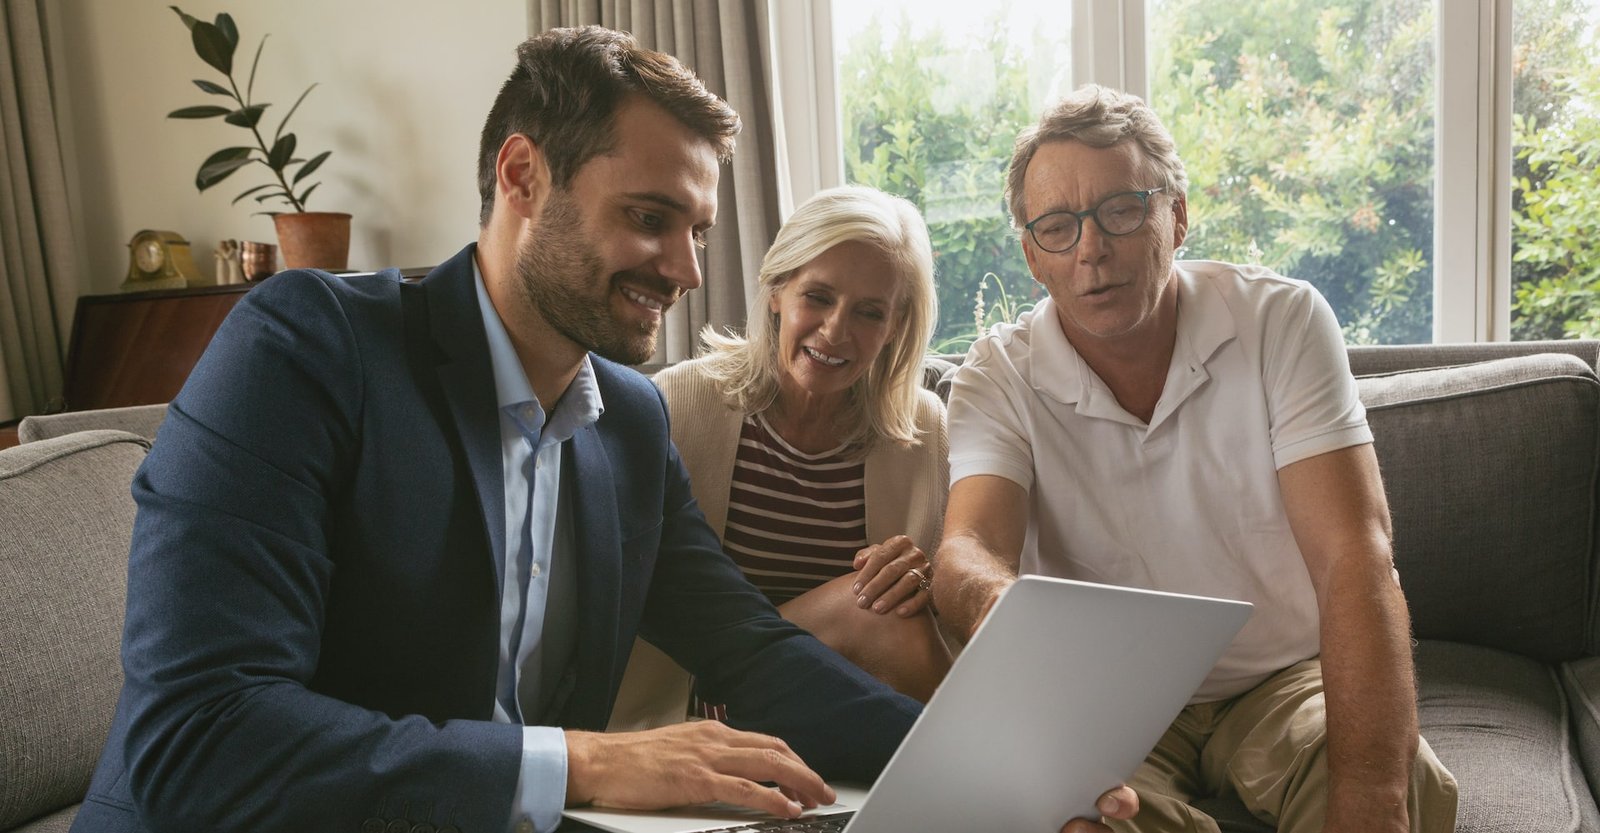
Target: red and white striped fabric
<point>795,520</point>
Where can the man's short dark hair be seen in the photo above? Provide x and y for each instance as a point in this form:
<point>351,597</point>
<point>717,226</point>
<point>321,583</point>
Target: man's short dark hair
<point>565,92</point>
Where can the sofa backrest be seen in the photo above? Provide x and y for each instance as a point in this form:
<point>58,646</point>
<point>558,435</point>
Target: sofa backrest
<point>1373,359</point>
<point>66,517</point>
<point>1490,470</point>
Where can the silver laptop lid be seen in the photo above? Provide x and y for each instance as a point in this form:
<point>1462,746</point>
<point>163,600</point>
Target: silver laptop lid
<point>1059,696</point>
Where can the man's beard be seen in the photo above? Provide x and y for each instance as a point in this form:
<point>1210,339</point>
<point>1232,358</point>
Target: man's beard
<point>560,274</point>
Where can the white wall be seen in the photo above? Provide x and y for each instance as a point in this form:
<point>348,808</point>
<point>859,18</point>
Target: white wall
<point>404,88</point>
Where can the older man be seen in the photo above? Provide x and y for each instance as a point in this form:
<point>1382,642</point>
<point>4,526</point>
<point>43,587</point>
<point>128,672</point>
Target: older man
<point>1192,426</point>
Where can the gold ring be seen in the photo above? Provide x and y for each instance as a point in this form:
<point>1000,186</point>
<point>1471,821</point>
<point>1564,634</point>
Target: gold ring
<point>924,581</point>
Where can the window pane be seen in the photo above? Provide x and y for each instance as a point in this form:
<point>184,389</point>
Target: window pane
<point>930,108</point>
<point>1555,185</point>
<point>1307,127</point>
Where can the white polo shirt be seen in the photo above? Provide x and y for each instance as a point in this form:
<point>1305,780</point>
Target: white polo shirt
<point>1189,503</point>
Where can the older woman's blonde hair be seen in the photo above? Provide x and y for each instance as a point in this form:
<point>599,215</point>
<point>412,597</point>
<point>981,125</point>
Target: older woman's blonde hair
<point>883,402</point>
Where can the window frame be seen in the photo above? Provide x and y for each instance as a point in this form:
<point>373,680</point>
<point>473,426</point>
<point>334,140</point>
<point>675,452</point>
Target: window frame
<point>1472,135</point>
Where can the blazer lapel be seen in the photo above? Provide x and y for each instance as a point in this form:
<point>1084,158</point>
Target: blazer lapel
<point>466,379</point>
<point>599,555</point>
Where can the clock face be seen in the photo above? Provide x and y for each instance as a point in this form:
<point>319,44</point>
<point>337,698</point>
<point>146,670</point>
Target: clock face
<point>149,256</point>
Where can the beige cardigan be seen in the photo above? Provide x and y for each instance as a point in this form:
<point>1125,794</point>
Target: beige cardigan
<point>905,494</point>
<point>905,487</point>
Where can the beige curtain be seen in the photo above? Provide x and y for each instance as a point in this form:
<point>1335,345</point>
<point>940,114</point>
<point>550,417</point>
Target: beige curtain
<point>38,267</point>
<point>726,44</point>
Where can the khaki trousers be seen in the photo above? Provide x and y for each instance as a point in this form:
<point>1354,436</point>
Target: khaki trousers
<point>1267,748</point>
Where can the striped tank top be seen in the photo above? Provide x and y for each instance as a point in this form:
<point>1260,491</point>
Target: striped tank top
<point>795,520</point>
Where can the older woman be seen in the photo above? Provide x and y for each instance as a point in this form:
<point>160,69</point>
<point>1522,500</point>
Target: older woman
<point>811,445</point>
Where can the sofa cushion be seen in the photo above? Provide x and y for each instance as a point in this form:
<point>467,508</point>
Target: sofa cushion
<point>1499,722</point>
<point>1490,472</point>
<point>66,516</point>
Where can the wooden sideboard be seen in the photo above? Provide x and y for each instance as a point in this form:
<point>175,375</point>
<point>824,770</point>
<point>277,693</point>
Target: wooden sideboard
<point>137,348</point>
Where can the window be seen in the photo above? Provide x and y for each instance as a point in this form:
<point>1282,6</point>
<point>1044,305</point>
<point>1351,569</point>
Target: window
<point>1307,128</point>
<point>929,108</point>
<point>1555,170</point>
<point>1433,167</point>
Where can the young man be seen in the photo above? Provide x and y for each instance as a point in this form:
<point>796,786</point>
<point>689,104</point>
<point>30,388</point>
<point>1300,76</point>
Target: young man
<point>1191,427</point>
<point>396,540</point>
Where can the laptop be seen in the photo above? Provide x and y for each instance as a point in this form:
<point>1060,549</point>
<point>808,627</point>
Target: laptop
<point>1058,697</point>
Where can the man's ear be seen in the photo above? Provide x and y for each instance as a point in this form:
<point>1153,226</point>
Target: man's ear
<point>522,177</point>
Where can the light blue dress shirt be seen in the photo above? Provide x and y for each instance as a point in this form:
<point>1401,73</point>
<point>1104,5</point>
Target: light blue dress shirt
<point>539,594</point>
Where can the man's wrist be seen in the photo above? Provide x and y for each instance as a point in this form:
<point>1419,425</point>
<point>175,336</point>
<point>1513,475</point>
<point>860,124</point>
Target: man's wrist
<point>580,760</point>
<point>984,594</point>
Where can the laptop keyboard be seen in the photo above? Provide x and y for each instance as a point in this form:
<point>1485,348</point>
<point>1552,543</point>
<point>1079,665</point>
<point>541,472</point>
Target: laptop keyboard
<point>821,823</point>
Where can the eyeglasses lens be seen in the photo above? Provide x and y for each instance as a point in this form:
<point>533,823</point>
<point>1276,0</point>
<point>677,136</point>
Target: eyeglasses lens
<point>1121,214</point>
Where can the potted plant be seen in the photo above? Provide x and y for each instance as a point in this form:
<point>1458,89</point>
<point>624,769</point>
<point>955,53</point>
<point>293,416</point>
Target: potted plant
<point>317,239</point>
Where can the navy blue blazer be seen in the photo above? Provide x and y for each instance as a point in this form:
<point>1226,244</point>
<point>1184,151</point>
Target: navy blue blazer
<point>314,585</point>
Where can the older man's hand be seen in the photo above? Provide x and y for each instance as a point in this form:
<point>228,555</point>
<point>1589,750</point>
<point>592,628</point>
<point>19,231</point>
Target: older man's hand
<point>1120,803</point>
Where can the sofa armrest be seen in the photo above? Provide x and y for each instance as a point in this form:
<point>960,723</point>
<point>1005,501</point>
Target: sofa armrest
<point>1581,678</point>
<point>142,420</point>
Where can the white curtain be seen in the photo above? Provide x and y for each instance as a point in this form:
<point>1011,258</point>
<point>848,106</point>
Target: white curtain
<point>38,262</point>
<point>726,44</point>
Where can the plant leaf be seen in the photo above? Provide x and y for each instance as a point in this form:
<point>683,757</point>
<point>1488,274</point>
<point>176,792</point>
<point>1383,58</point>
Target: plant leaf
<point>249,192</point>
<point>282,151</point>
<point>235,152</point>
<point>295,107</point>
<point>213,87</point>
<point>246,117</point>
<point>203,111</point>
<point>314,163</point>
<point>251,84</point>
<point>212,46</point>
<point>231,32</point>
<point>278,194</point>
<point>220,166</point>
<point>188,20</point>
<point>307,193</point>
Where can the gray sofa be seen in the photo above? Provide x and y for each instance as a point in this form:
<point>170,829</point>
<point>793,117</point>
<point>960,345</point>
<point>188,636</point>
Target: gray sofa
<point>1489,453</point>
<point>1489,456</point>
<point>65,518</point>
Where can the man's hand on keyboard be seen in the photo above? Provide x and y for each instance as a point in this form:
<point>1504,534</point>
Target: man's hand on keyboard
<point>1120,803</point>
<point>690,763</point>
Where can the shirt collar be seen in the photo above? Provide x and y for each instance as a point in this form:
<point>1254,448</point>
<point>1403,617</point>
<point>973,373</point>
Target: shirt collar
<point>581,404</point>
<point>1204,324</point>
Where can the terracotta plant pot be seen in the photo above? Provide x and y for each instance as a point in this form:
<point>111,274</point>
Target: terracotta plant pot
<point>314,239</point>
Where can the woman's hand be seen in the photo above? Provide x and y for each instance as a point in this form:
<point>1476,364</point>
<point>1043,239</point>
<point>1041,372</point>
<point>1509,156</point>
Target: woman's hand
<point>893,576</point>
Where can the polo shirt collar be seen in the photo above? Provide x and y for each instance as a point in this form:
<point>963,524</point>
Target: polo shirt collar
<point>1205,323</point>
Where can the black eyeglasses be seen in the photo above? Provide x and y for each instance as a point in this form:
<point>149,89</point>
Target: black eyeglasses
<point>1117,215</point>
